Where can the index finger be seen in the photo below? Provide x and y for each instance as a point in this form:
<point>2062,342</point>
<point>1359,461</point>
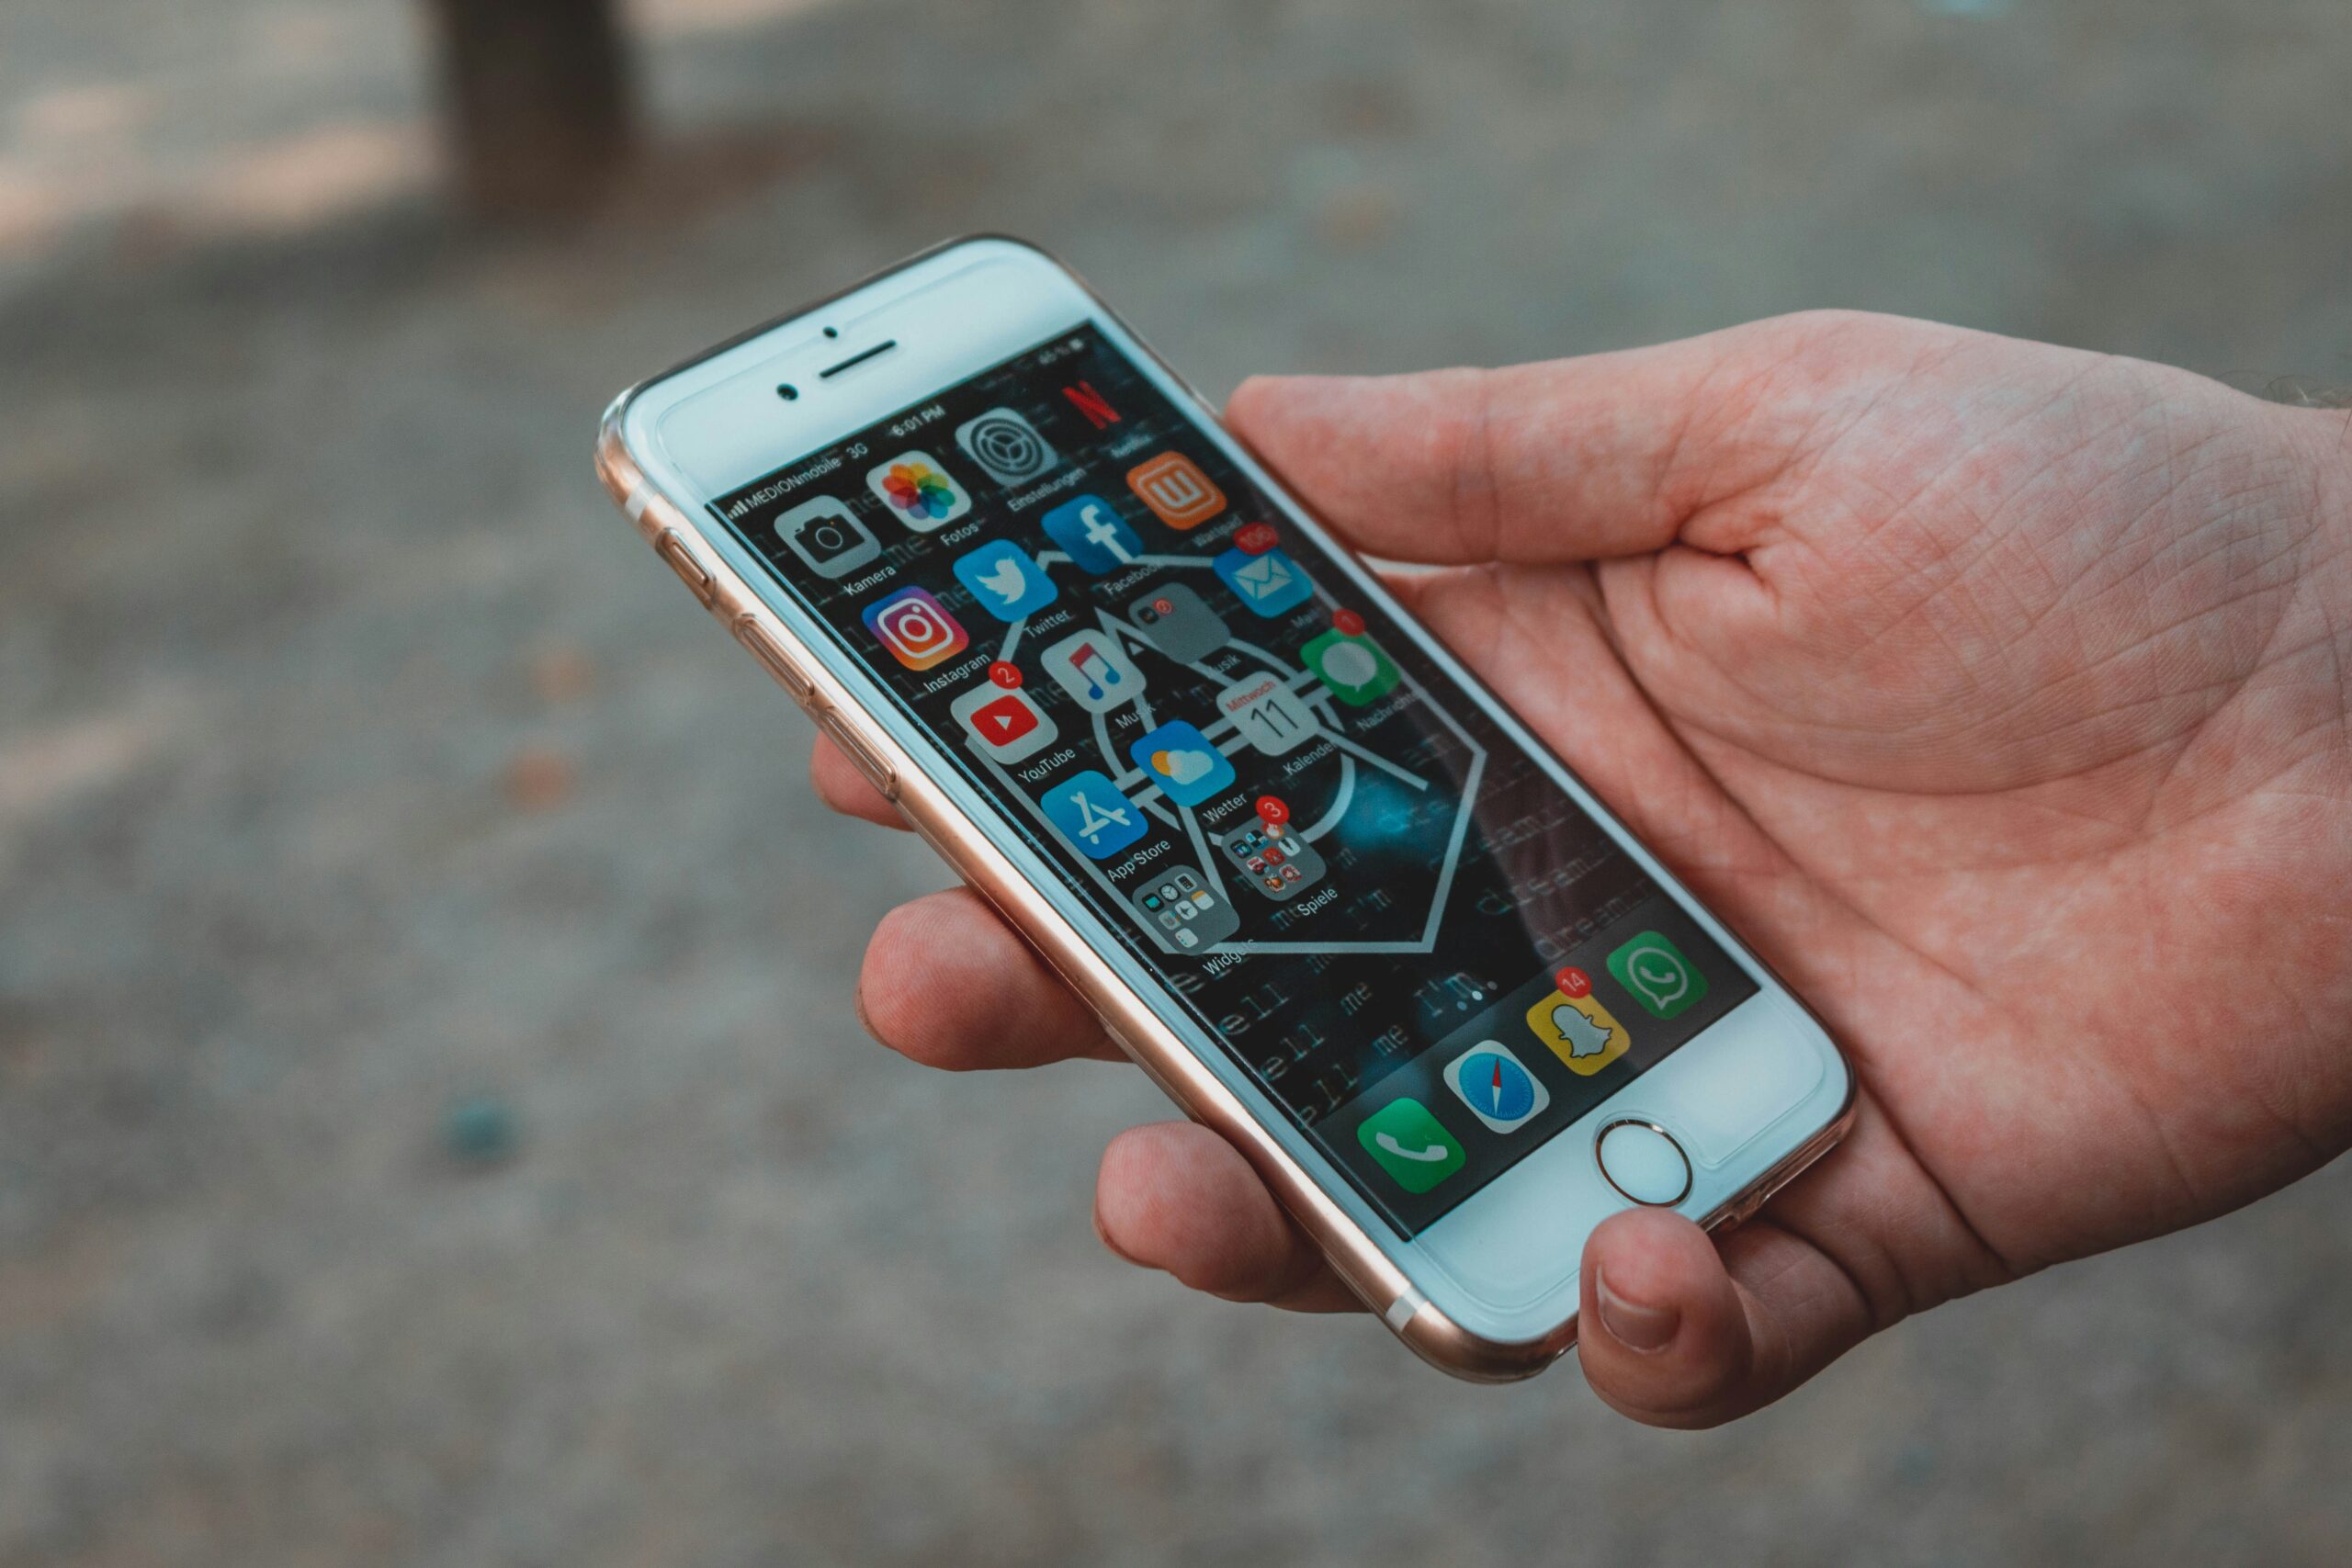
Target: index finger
<point>1569,459</point>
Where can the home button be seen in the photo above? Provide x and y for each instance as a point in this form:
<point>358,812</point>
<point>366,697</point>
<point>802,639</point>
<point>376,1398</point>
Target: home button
<point>1642,1162</point>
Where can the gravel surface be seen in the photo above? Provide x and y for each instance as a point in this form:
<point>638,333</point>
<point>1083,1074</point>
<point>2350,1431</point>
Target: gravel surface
<point>432,1125</point>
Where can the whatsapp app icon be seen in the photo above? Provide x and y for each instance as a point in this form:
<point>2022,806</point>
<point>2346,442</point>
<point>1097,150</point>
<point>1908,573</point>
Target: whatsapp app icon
<point>1660,978</point>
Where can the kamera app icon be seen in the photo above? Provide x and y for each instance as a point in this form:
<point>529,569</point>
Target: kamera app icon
<point>916,629</point>
<point>1006,445</point>
<point>827,537</point>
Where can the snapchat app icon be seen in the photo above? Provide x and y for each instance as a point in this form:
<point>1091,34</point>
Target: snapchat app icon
<point>1584,1035</point>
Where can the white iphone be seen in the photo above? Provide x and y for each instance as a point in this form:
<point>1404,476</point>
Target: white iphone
<point>1311,874</point>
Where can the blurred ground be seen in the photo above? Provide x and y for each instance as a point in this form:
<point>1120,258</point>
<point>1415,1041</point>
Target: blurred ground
<point>433,1127</point>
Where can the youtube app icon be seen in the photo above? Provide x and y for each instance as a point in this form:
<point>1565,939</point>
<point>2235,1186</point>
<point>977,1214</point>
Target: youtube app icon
<point>1006,726</point>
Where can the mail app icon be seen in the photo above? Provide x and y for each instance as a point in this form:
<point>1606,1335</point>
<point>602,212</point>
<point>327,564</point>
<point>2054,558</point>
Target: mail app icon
<point>1270,584</point>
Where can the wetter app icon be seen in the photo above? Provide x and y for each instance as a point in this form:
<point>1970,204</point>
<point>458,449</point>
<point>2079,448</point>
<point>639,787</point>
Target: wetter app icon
<point>1179,759</point>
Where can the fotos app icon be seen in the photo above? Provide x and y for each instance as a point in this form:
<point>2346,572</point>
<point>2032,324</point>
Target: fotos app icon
<point>921,492</point>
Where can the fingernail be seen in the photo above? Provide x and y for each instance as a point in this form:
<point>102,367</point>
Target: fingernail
<point>1631,1324</point>
<point>1103,1234</point>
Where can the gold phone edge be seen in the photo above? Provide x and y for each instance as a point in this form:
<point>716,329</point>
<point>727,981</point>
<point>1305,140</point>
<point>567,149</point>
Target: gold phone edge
<point>1374,1280</point>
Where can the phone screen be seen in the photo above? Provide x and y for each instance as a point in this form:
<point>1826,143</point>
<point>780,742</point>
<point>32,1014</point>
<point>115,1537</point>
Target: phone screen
<point>1361,886</point>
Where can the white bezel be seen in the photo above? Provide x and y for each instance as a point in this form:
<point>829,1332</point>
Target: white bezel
<point>1742,1095</point>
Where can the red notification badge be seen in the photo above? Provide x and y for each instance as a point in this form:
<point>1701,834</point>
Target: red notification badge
<point>1005,673</point>
<point>1256,538</point>
<point>1573,982</point>
<point>1348,623</point>
<point>1271,809</point>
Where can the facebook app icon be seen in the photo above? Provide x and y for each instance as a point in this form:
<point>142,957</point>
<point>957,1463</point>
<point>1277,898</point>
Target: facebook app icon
<point>1094,535</point>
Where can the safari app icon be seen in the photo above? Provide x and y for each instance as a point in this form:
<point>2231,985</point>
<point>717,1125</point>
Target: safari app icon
<point>1584,1035</point>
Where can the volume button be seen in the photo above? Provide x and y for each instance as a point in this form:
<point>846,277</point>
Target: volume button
<point>691,573</point>
<point>761,645</point>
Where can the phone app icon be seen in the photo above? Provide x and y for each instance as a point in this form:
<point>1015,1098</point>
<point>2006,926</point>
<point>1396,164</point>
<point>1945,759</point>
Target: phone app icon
<point>1093,536</point>
<point>1661,979</point>
<point>1092,814</point>
<point>1091,667</point>
<point>1496,1087</point>
<point>1179,623</point>
<point>1009,726</point>
<point>1177,491</point>
<point>1179,759</point>
<point>1354,667</point>
<point>1584,1035</point>
<point>1268,583</point>
<point>827,537</point>
<point>1005,580</point>
<point>1183,913</point>
<point>914,486</point>
<point>1006,445</point>
<point>916,629</point>
<point>1410,1144</point>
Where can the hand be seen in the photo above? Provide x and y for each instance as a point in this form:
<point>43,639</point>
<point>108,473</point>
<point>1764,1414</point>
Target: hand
<point>1996,693</point>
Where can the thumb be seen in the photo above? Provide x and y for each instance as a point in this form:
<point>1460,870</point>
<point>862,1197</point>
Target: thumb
<point>1668,1335</point>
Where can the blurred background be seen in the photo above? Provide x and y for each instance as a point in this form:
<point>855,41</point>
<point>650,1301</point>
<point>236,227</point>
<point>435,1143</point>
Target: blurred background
<point>432,1124</point>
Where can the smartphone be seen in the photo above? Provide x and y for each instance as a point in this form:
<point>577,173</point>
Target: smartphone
<point>1324,887</point>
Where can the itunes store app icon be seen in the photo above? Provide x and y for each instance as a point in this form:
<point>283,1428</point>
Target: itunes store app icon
<point>916,629</point>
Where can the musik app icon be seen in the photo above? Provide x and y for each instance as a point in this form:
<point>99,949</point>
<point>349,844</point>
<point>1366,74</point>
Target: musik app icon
<point>1092,667</point>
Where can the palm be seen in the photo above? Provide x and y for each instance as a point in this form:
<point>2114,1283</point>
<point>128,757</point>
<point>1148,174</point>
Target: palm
<point>1990,691</point>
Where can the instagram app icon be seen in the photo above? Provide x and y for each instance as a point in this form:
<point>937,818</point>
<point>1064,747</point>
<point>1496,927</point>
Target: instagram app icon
<point>917,630</point>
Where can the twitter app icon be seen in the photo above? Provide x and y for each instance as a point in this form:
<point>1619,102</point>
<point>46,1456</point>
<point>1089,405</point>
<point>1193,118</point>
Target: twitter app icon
<point>1005,580</point>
